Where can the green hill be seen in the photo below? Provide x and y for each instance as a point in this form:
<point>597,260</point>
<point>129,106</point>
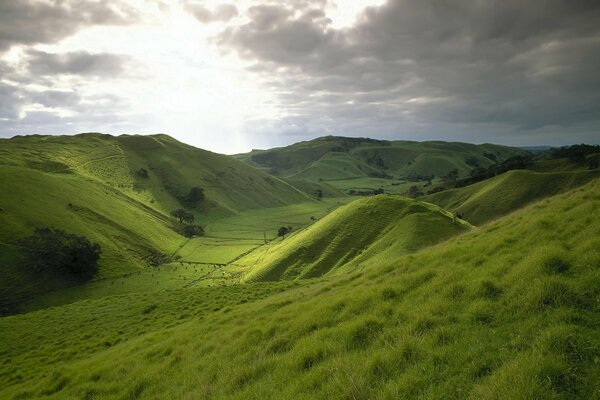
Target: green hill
<point>334,158</point>
<point>89,185</point>
<point>506,311</point>
<point>492,198</point>
<point>365,231</point>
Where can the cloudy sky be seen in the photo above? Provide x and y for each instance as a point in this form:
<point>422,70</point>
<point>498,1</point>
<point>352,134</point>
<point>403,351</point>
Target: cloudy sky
<point>234,75</point>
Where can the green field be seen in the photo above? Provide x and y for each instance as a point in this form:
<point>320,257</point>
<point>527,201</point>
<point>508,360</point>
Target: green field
<point>365,231</point>
<point>492,198</point>
<point>88,185</point>
<point>359,163</point>
<point>509,310</point>
<point>371,297</point>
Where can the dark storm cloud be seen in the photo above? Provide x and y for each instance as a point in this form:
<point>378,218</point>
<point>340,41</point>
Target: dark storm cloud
<point>31,22</point>
<point>430,67</point>
<point>221,13</point>
<point>76,63</point>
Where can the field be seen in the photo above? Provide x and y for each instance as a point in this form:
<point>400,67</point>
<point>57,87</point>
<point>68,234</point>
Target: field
<point>90,185</point>
<point>505,311</point>
<point>365,231</point>
<point>492,198</point>
<point>359,163</point>
<point>368,297</point>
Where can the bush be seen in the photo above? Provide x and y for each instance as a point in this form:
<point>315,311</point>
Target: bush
<point>142,173</point>
<point>56,251</point>
<point>194,197</point>
<point>192,230</point>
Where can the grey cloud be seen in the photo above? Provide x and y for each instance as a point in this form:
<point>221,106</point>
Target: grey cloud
<point>221,13</point>
<point>33,21</point>
<point>56,98</point>
<point>429,67</point>
<point>9,102</point>
<point>76,63</point>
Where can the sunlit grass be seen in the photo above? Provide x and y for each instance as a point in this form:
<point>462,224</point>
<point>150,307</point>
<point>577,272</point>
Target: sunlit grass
<point>506,311</point>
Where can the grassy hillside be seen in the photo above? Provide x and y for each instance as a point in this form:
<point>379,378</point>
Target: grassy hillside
<point>506,311</point>
<point>88,184</point>
<point>365,231</point>
<point>337,158</point>
<point>173,168</point>
<point>492,198</point>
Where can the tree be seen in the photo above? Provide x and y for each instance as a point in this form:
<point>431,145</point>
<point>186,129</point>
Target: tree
<point>319,194</point>
<point>192,230</point>
<point>57,251</point>
<point>195,196</point>
<point>142,173</point>
<point>284,230</point>
<point>183,216</point>
<point>593,164</point>
<point>413,192</point>
<point>452,176</point>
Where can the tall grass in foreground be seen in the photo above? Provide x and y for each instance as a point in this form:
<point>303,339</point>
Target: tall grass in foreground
<point>509,311</point>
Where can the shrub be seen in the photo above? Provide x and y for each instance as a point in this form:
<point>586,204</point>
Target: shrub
<point>183,216</point>
<point>195,196</point>
<point>142,173</point>
<point>192,230</point>
<point>56,251</point>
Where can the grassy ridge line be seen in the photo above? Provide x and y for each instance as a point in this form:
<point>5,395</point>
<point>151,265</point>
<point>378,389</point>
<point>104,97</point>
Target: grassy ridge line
<point>505,311</point>
<point>338,158</point>
<point>498,196</point>
<point>88,184</point>
<point>362,231</point>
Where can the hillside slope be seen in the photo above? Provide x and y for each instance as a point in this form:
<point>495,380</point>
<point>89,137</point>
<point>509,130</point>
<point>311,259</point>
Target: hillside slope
<point>173,168</point>
<point>498,196</point>
<point>365,231</point>
<point>508,311</point>
<point>334,158</point>
<point>89,185</point>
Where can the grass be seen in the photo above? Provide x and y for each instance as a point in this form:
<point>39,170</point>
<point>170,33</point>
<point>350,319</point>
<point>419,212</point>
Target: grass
<point>88,184</point>
<point>364,231</point>
<point>337,158</point>
<point>505,311</point>
<point>493,198</point>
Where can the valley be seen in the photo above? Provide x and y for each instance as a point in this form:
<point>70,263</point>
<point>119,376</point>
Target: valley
<point>296,287</point>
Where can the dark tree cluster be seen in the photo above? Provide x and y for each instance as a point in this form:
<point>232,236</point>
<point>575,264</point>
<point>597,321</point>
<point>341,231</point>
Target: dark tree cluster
<point>193,198</point>
<point>142,173</point>
<point>576,153</point>
<point>373,192</point>
<point>284,230</point>
<point>480,174</point>
<point>418,178</point>
<point>452,176</point>
<point>56,251</point>
<point>192,230</point>
<point>183,216</point>
<point>187,218</point>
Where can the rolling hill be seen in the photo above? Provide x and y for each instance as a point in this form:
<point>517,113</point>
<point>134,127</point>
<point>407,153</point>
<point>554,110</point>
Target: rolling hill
<point>90,185</point>
<point>509,310</point>
<point>362,232</point>
<point>498,196</point>
<point>334,158</point>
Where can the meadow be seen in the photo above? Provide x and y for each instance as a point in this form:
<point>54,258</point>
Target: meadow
<point>368,297</point>
<point>509,310</point>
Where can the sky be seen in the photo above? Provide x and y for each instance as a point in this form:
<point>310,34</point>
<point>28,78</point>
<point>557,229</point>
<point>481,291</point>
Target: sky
<point>230,76</point>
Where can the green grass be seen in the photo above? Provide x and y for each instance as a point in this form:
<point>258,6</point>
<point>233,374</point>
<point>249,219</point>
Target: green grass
<point>492,198</point>
<point>336,158</point>
<point>509,310</point>
<point>87,184</point>
<point>365,231</point>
